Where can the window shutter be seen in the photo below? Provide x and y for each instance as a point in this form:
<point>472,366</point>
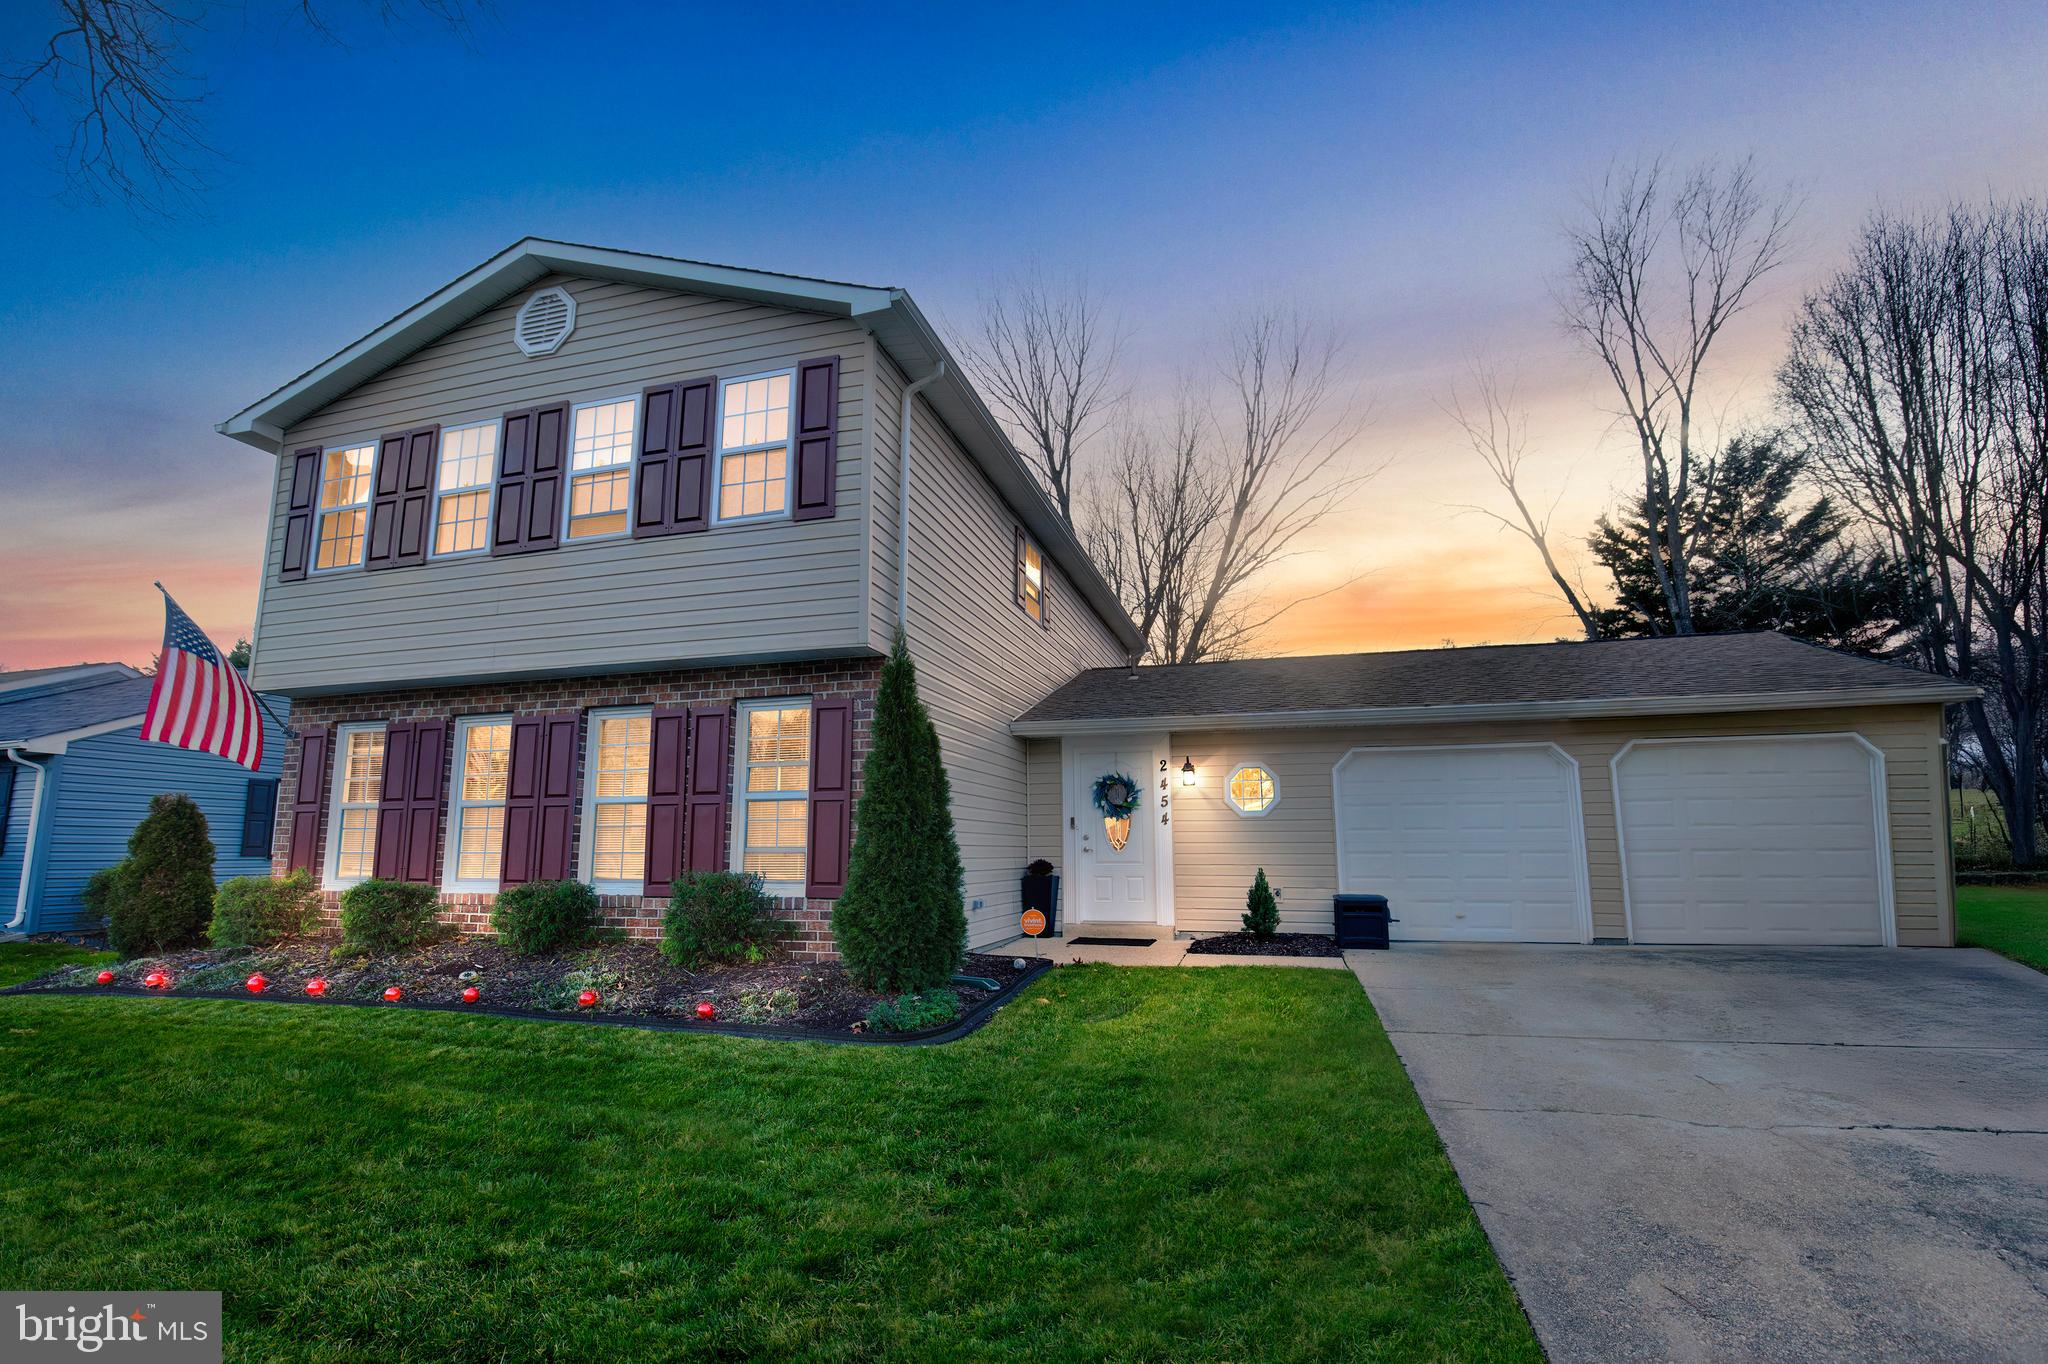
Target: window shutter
<point>1017,564</point>
<point>409,805</point>
<point>540,806</point>
<point>667,774</point>
<point>831,830</point>
<point>704,787</point>
<point>308,794</point>
<point>259,816</point>
<point>1044,591</point>
<point>526,508</point>
<point>401,496</point>
<point>817,440</point>
<point>299,513</point>
<point>672,477</point>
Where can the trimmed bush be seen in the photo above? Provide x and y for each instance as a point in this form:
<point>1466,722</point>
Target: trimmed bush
<point>381,917</point>
<point>1261,908</point>
<point>718,916</point>
<point>913,1013</point>
<point>162,898</point>
<point>100,890</point>
<point>545,916</point>
<point>255,911</point>
<point>901,926</point>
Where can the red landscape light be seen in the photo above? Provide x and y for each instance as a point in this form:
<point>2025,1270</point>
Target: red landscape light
<point>392,994</point>
<point>106,977</point>
<point>156,980</point>
<point>316,987</point>
<point>472,995</point>
<point>587,1000</point>
<point>257,983</point>
<point>705,1009</point>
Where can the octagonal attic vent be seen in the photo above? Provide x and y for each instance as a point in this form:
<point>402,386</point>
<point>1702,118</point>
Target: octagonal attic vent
<point>544,322</point>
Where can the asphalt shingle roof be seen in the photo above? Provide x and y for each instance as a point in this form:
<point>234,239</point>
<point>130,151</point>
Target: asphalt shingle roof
<point>1756,664</point>
<point>62,709</point>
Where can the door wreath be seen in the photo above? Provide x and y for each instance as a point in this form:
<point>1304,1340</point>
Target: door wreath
<point>1116,796</point>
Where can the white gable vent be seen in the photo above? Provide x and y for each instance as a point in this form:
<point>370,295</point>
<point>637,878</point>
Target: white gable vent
<point>544,322</point>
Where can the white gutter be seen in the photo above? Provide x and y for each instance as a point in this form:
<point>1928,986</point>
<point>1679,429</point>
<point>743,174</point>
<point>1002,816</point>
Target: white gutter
<point>903,501</point>
<point>28,846</point>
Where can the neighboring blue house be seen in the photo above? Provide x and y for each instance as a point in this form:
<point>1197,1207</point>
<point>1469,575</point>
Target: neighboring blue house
<point>76,778</point>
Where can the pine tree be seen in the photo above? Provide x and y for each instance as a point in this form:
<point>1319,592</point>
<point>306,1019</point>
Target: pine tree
<point>1261,908</point>
<point>900,924</point>
<point>162,896</point>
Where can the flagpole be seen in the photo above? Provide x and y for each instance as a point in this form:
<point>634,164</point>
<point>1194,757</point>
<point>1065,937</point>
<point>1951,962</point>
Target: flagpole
<point>282,732</point>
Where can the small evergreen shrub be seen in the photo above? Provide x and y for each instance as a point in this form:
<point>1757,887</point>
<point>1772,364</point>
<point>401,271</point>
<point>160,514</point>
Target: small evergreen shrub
<point>101,889</point>
<point>256,911</point>
<point>545,916</point>
<point>1261,908</point>
<point>718,916</point>
<point>381,917</point>
<point>914,1012</point>
<point>162,898</point>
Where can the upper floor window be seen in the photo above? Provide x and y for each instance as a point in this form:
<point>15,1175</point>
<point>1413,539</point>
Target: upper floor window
<point>476,814</point>
<point>344,505</point>
<point>771,814</point>
<point>1030,578</point>
<point>600,468</point>
<point>615,813</point>
<point>352,823</point>
<point>753,447</point>
<point>462,489</point>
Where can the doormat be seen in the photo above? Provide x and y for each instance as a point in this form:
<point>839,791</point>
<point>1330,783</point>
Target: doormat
<point>1111,942</point>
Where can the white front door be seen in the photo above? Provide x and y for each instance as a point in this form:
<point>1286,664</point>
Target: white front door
<point>1113,884</point>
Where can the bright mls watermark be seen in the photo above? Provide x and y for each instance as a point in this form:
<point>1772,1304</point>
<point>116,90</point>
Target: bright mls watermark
<point>172,1328</point>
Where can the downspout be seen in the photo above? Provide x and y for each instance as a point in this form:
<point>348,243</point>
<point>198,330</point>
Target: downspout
<point>28,847</point>
<point>903,503</point>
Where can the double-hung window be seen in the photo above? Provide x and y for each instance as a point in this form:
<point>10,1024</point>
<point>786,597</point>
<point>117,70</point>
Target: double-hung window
<point>753,447</point>
<point>352,823</point>
<point>615,804</point>
<point>344,505</point>
<point>462,489</point>
<point>600,468</point>
<point>770,817</point>
<point>476,814</point>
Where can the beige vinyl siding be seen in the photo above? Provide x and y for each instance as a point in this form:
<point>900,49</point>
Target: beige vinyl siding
<point>1045,834</point>
<point>767,590</point>
<point>981,661</point>
<point>1217,851</point>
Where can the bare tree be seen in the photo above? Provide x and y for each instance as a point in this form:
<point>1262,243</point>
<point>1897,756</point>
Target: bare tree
<point>1047,358</point>
<point>1659,268</point>
<point>1146,516</point>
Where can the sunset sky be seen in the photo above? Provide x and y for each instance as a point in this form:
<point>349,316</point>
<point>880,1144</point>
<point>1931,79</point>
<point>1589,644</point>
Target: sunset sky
<point>1401,170</point>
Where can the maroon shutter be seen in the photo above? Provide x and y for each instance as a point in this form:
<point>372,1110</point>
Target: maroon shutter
<point>1044,591</point>
<point>307,796</point>
<point>389,858</point>
<point>667,773</point>
<point>696,413</point>
<point>526,508</point>
<point>1017,565</point>
<point>704,788</point>
<point>831,831</point>
<point>401,494</point>
<point>299,513</point>
<point>409,802</point>
<point>540,806</point>
<point>654,467</point>
<point>817,440</point>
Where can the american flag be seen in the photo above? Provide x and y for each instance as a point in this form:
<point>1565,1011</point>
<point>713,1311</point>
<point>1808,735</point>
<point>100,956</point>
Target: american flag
<point>200,700</point>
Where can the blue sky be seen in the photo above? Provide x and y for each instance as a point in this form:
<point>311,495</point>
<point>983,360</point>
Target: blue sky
<point>1403,169</point>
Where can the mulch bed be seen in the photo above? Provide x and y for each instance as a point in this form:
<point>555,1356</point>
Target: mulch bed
<point>1279,945</point>
<point>633,981</point>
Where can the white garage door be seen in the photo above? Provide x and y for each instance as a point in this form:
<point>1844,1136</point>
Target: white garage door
<point>1482,843</point>
<point>1771,840</point>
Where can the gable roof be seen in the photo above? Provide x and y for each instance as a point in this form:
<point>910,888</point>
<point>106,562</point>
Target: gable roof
<point>1692,673</point>
<point>888,313</point>
<point>69,674</point>
<point>45,714</point>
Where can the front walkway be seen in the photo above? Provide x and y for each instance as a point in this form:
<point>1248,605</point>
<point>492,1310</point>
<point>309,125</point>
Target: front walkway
<point>1166,950</point>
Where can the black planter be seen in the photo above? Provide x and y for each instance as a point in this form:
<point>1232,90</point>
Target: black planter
<point>1042,893</point>
<point>1362,921</point>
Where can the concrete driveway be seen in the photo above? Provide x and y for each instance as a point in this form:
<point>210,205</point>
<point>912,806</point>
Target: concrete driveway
<point>1741,1153</point>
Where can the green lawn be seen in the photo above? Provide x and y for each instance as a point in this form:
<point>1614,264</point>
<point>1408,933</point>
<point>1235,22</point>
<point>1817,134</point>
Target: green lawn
<point>20,961</point>
<point>1125,1164</point>
<point>2008,919</point>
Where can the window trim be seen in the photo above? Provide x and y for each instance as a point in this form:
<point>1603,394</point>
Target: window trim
<point>321,512</point>
<point>489,488</point>
<point>451,852</point>
<point>737,794</point>
<point>337,781</point>
<point>1230,797</point>
<point>719,452</point>
<point>564,540</point>
<point>1027,545</point>
<point>586,855</point>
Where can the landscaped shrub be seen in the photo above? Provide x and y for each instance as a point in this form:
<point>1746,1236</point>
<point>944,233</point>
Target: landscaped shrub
<point>1261,908</point>
<point>255,911</point>
<point>901,925</point>
<point>545,916</point>
<point>378,917</point>
<point>718,916</point>
<point>101,889</point>
<point>910,1013</point>
<point>162,897</point>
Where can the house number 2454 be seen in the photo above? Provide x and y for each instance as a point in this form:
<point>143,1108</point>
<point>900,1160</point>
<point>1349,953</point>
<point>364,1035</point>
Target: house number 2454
<point>1165,798</point>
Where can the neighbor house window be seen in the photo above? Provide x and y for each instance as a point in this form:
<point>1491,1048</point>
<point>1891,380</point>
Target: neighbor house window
<point>600,468</point>
<point>1030,579</point>
<point>462,489</point>
<point>615,814</point>
<point>476,815</point>
<point>352,825</point>
<point>1251,789</point>
<point>344,505</point>
<point>753,447</point>
<point>774,778</point>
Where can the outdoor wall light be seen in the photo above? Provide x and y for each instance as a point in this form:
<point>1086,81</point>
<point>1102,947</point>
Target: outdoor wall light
<point>1187,772</point>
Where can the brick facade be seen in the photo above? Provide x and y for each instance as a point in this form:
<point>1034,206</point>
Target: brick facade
<point>637,916</point>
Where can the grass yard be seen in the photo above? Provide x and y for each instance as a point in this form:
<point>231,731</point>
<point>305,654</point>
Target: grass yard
<point>1125,1164</point>
<point>20,961</point>
<point>2008,919</point>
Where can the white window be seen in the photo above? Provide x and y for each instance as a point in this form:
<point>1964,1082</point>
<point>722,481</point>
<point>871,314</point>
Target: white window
<point>344,505</point>
<point>352,823</point>
<point>1031,579</point>
<point>753,447</point>
<point>771,813</point>
<point>1252,789</point>
<point>601,468</point>
<point>476,814</point>
<point>462,489</point>
<point>615,807</point>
